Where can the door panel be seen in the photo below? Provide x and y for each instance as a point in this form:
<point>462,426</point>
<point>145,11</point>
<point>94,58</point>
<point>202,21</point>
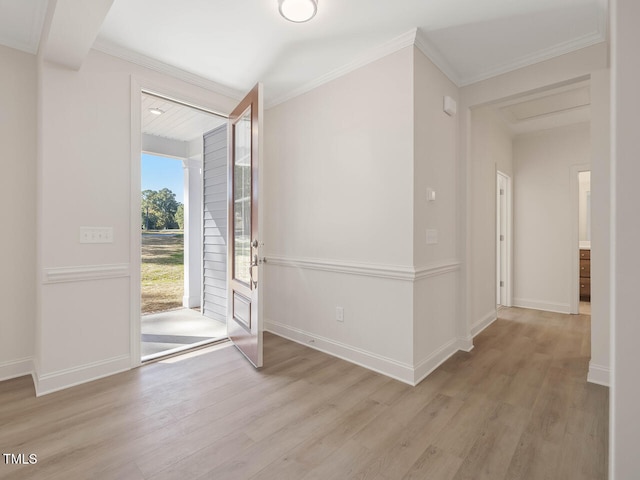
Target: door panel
<point>245,280</point>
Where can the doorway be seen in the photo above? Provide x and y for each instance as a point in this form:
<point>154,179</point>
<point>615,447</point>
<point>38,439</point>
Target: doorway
<point>584,241</point>
<point>172,146</point>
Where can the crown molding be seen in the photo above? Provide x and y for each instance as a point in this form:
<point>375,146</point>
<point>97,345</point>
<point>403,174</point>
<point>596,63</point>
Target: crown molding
<point>161,67</point>
<point>413,37</point>
<point>537,57</point>
<point>433,54</point>
<point>405,40</point>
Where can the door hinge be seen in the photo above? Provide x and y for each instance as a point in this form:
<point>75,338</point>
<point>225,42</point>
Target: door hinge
<point>501,283</point>
<point>502,191</point>
<point>502,238</point>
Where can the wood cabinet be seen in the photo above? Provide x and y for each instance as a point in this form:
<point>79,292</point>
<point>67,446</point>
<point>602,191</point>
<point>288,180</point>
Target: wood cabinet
<point>585,275</point>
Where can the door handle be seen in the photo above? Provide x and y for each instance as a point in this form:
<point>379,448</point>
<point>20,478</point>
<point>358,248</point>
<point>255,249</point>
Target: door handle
<point>254,263</point>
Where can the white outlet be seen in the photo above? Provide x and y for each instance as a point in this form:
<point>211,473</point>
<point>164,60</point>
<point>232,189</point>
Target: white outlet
<point>432,237</point>
<point>96,234</point>
<point>340,314</point>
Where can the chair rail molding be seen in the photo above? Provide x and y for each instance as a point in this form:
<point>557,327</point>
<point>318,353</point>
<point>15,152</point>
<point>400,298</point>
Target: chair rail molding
<point>85,272</point>
<point>392,272</point>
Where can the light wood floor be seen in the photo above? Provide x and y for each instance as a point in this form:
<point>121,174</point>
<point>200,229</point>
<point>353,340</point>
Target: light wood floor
<point>516,407</point>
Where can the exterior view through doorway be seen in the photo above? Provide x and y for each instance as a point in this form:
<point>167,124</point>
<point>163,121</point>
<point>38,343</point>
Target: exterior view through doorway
<point>173,318</point>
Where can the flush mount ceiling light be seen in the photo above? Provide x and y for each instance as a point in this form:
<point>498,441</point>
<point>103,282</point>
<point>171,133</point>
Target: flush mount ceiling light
<point>156,111</point>
<point>298,11</point>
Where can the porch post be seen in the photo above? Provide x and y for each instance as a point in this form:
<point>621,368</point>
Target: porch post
<point>192,230</point>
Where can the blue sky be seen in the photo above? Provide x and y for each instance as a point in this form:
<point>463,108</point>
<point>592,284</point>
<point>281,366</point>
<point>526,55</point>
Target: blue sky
<point>161,172</point>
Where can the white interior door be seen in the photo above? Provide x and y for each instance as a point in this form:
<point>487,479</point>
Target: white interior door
<point>502,232</point>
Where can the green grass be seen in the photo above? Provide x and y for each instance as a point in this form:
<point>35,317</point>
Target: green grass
<point>162,270</point>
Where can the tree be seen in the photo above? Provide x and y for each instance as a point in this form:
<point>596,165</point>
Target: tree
<point>159,209</point>
<point>180,216</point>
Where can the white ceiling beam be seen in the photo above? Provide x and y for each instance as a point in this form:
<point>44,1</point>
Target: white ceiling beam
<point>165,147</point>
<point>73,29</point>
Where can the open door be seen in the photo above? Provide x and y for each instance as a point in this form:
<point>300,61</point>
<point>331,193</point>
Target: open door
<point>244,323</point>
<point>503,239</point>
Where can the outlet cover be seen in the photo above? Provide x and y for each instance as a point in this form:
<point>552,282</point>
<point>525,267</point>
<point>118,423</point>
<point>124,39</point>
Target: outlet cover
<point>432,236</point>
<point>340,314</point>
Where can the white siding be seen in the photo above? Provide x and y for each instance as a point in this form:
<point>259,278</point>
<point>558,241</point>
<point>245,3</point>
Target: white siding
<point>214,301</point>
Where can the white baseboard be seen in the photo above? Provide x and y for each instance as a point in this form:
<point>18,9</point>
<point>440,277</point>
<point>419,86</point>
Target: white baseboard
<point>16,368</point>
<point>483,323</point>
<point>437,358</point>
<point>52,382</point>
<point>386,366</point>
<point>599,375</point>
<point>465,344</point>
<point>391,368</point>
<point>540,305</point>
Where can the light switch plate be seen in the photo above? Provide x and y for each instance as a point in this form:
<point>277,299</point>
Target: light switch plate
<point>96,234</point>
<point>431,194</point>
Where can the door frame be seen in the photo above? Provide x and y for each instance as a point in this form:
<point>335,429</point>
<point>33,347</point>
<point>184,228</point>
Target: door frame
<point>508,213</point>
<point>574,246</point>
<point>138,85</point>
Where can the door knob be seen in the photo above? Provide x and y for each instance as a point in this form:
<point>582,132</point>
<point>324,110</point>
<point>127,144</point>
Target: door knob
<point>254,244</point>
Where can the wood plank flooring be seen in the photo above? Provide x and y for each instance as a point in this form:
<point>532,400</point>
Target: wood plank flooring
<point>517,407</point>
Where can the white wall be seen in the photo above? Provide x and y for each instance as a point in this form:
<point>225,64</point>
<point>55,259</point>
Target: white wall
<point>341,158</point>
<point>87,178</point>
<point>347,169</point>
<point>435,146</point>
<point>18,197</point>
<point>491,150</point>
<point>543,249</point>
<point>339,205</point>
<point>599,367</point>
<point>625,419</point>
<point>584,192</point>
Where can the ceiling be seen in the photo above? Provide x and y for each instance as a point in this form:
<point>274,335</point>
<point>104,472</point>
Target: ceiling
<point>177,121</point>
<point>21,23</point>
<point>236,43</point>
